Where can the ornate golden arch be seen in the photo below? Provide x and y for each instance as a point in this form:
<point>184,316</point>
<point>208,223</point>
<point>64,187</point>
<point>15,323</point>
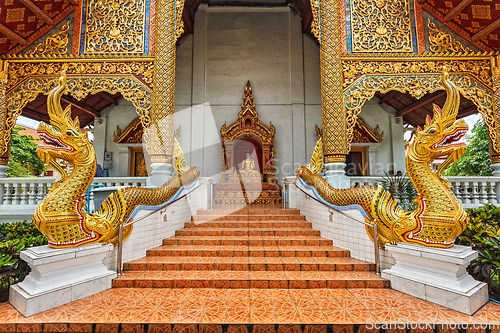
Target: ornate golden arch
<point>79,86</point>
<point>471,78</point>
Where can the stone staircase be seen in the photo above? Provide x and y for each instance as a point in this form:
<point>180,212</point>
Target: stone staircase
<point>254,248</point>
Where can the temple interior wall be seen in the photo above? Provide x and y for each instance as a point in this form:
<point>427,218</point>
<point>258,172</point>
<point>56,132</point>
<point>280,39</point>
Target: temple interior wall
<point>230,46</point>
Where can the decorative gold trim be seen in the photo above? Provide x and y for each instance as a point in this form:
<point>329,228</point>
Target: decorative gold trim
<point>26,90</point>
<point>443,42</point>
<point>316,19</point>
<point>416,79</point>
<point>57,44</point>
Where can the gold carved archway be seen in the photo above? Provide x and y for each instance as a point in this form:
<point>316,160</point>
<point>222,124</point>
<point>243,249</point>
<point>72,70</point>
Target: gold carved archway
<point>27,80</point>
<point>418,77</point>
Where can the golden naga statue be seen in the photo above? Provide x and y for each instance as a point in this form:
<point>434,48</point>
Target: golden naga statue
<point>60,216</point>
<point>439,218</point>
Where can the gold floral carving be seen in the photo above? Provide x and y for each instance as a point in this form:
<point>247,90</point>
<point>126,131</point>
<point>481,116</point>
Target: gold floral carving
<point>57,44</point>
<point>115,26</point>
<point>443,42</point>
<point>381,26</point>
<point>316,19</point>
<point>20,70</point>
<point>79,87</point>
<point>179,22</point>
<point>494,130</point>
<point>478,68</point>
<point>417,85</point>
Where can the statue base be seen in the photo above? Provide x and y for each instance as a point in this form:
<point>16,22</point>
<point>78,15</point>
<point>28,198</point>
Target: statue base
<point>60,276</point>
<point>437,275</point>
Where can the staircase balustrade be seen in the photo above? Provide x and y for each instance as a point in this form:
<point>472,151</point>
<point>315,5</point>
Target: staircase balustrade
<point>471,192</point>
<point>29,192</point>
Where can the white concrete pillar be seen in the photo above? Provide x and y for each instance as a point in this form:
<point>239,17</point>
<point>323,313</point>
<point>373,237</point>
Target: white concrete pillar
<point>291,192</point>
<point>3,171</point>
<point>100,127</point>
<point>398,144</point>
<point>372,159</point>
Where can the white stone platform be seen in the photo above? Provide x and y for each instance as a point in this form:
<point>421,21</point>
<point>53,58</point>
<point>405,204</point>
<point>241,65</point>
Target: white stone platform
<point>60,276</point>
<point>437,275</point>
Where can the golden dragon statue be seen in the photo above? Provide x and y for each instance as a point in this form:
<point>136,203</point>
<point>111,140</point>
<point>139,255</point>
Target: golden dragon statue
<point>60,216</point>
<point>439,217</point>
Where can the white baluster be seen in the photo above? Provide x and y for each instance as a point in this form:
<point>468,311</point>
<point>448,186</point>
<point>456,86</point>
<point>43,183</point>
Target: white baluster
<point>483,194</point>
<point>492,196</point>
<point>16,196</point>
<point>23,194</point>
<point>40,192</point>
<point>475,194</point>
<point>32,194</point>
<point>455,188</point>
<point>7,196</point>
<point>92,207</point>
<point>467,195</point>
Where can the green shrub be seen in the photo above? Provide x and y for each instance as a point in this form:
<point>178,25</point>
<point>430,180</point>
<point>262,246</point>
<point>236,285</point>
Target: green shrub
<point>401,189</point>
<point>15,237</point>
<point>483,234</point>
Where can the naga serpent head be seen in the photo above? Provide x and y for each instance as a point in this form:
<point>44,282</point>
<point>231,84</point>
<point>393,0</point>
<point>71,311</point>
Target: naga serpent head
<point>441,135</point>
<point>62,138</point>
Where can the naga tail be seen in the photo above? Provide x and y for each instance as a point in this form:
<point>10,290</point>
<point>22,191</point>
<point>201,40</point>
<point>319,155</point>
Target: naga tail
<point>120,204</point>
<point>376,204</point>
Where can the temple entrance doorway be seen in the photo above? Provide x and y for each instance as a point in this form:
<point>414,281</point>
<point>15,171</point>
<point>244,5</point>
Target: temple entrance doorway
<point>248,175</point>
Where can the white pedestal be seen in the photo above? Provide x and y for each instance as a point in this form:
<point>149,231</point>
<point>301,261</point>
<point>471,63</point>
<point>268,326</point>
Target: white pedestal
<point>162,173</point>
<point>335,175</point>
<point>437,275</point>
<point>60,276</point>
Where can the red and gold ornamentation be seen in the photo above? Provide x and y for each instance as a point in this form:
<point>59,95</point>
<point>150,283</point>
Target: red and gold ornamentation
<point>257,184</point>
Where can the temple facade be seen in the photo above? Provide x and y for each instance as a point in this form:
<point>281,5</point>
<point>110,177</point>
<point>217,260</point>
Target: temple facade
<point>348,74</point>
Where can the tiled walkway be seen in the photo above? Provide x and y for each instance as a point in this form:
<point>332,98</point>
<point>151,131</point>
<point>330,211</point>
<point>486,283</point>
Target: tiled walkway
<point>255,267</point>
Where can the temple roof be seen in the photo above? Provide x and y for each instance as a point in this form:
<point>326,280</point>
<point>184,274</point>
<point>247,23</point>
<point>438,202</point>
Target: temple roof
<point>22,22</point>
<point>85,109</point>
